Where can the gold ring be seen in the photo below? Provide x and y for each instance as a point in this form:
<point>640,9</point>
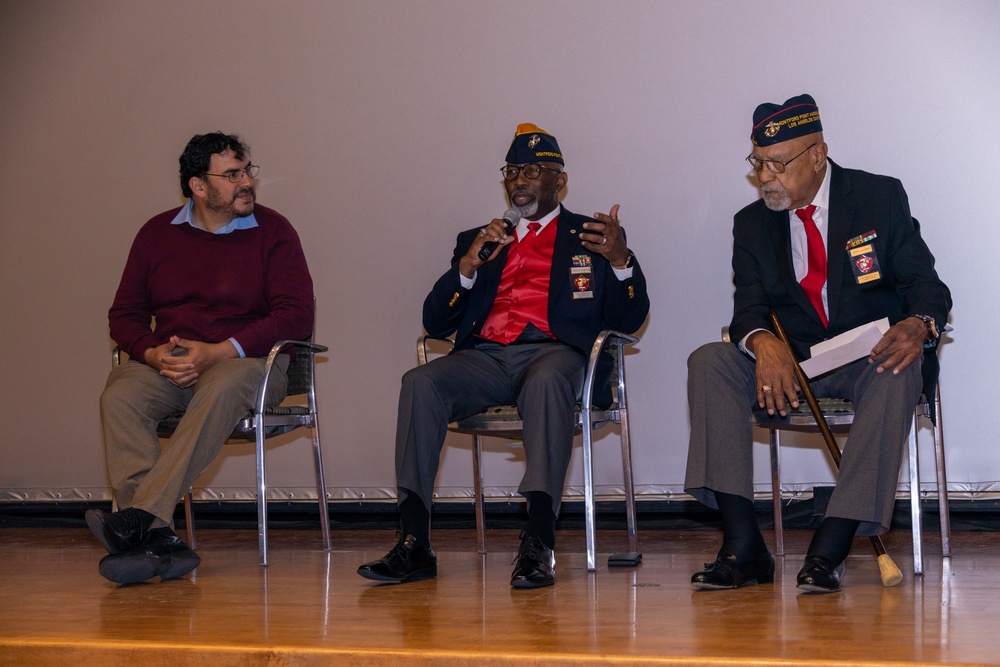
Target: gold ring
<point>766,387</point>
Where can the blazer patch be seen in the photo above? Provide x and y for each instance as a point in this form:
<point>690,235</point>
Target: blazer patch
<point>582,278</point>
<point>864,263</point>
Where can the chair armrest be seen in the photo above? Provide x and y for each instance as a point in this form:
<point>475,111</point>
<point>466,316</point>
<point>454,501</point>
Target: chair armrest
<point>308,347</point>
<point>422,347</point>
<point>605,338</point>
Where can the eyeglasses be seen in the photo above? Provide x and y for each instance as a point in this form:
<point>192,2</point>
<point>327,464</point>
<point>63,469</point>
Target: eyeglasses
<point>773,166</point>
<point>530,171</point>
<point>236,175</point>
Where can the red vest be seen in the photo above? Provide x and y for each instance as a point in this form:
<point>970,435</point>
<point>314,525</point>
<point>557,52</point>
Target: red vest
<point>523,295</point>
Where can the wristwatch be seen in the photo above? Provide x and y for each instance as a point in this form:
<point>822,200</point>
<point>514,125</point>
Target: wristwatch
<point>932,331</point>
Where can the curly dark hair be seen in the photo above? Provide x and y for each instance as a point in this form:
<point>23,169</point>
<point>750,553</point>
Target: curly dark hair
<point>198,153</point>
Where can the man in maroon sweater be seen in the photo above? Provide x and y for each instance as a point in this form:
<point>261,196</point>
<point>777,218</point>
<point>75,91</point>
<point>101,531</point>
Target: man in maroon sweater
<point>207,289</point>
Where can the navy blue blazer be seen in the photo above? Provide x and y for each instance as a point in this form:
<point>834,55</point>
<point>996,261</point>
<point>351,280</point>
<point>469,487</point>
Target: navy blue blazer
<point>617,304</point>
<point>860,203</point>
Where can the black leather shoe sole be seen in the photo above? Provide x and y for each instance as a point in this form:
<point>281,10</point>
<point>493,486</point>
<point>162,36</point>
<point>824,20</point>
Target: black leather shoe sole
<point>530,583</point>
<point>129,569</point>
<point>394,578</point>
<point>709,586</point>
<point>178,564</point>
<point>815,588</point>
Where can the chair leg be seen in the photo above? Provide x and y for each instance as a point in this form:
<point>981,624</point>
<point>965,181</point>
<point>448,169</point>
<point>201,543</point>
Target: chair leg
<point>189,519</point>
<point>630,518</point>
<point>477,490</point>
<point>942,478</point>
<point>915,518</point>
<point>779,527</point>
<point>633,556</point>
<point>261,493</point>
<point>324,510</point>
<point>588,490</point>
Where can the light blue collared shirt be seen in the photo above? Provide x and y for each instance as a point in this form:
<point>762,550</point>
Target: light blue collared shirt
<point>242,222</point>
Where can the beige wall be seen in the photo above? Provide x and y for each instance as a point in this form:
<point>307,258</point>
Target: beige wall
<point>380,127</point>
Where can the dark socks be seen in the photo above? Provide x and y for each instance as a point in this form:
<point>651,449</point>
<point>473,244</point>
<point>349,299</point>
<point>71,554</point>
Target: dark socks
<point>740,533</point>
<point>414,519</point>
<point>541,518</point>
<point>833,539</point>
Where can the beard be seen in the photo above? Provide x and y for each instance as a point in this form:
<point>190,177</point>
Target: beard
<point>232,207</point>
<point>527,210</point>
<point>776,197</point>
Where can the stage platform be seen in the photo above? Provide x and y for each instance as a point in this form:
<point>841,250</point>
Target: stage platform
<point>311,608</point>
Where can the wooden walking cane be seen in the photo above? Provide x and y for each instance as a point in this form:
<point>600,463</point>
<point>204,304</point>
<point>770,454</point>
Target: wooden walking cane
<point>888,571</point>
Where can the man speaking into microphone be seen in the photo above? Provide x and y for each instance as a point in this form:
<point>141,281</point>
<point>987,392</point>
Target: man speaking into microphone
<point>524,316</point>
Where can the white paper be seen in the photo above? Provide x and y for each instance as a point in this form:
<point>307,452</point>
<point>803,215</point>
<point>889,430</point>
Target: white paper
<point>845,348</point>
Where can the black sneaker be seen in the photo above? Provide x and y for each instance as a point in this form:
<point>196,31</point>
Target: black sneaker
<point>407,561</point>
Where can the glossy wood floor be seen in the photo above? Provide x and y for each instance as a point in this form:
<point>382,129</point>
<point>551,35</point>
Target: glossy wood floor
<point>310,608</point>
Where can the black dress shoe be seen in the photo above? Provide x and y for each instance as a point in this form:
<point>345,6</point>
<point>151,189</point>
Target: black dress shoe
<point>534,565</point>
<point>120,531</point>
<point>820,575</point>
<point>163,555</point>
<point>727,572</point>
<point>407,561</point>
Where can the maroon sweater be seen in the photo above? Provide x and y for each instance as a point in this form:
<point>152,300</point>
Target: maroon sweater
<point>251,285</point>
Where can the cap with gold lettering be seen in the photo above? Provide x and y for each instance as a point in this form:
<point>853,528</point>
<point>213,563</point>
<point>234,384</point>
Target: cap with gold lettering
<point>533,144</point>
<point>774,123</point>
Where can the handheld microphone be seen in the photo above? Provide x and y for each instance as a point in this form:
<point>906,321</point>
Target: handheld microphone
<point>510,219</point>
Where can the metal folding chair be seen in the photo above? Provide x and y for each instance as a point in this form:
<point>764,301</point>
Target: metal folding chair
<point>503,421</point>
<point>266,422</point>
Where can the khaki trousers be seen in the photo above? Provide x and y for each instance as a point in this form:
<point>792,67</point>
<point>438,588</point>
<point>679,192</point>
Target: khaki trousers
<point>152,477</point>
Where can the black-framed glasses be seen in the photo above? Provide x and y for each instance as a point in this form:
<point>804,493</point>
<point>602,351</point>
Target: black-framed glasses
<point>530,171</point>
<point>236,175</point>
<point>773,166</point>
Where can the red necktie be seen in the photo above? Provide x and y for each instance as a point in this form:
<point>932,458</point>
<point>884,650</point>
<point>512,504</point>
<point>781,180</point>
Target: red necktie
<point>533,228</point>
<point>816,276</point>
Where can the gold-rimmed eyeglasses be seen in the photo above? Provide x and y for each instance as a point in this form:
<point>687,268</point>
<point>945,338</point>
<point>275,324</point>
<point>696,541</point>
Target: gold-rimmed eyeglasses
<point>773,166</point>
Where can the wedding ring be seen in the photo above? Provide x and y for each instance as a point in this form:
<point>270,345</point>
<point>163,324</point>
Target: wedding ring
<point>482,232</point>
<point>604,240</point>
<point>766,387</point>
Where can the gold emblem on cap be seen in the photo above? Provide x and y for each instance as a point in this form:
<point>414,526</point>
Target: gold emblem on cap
<point>533,141</point>
<point>771,129</point>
